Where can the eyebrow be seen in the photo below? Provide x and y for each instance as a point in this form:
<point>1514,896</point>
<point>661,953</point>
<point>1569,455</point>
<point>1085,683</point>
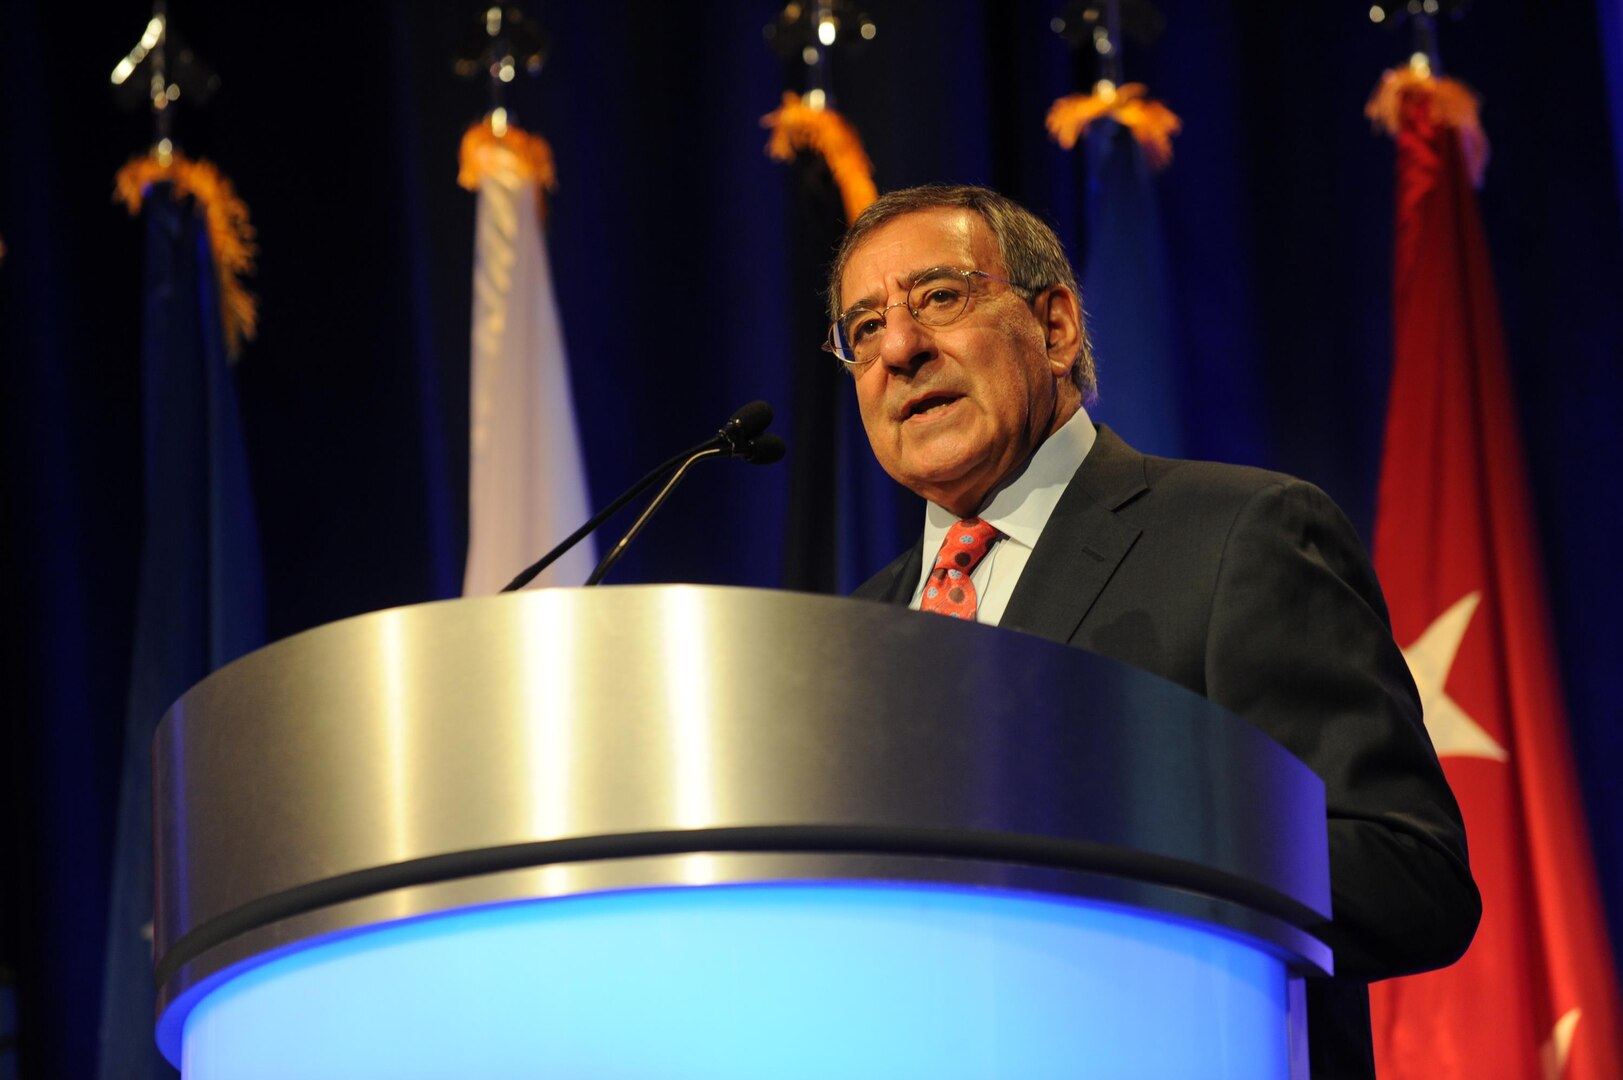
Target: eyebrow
<point>912,277</point>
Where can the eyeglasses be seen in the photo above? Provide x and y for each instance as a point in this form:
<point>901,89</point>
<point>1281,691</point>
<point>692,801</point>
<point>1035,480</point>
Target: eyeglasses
<point>935,297</point>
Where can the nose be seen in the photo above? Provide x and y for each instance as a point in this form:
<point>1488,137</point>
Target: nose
<point>907,344</point>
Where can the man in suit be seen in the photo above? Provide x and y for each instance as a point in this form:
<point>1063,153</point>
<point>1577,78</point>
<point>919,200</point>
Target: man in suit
<point>957,314</point>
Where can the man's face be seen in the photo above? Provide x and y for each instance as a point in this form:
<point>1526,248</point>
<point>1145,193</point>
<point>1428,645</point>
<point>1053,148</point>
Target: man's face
<point>951,410</point>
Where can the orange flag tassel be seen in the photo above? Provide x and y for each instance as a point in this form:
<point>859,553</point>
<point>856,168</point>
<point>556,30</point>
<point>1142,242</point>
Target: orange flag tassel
<point>797,126</point>
<point>231,234</point>
<point>530,154</point>
<point>1449,102</point>
<point>1152,123</point>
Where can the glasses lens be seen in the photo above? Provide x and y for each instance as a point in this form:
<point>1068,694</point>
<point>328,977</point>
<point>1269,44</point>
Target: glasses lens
<point>939,296</point>
<point>856,335</point>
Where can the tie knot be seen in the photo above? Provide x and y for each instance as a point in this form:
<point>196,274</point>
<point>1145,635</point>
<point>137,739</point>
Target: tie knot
<point>965,544</point>
<point>949,590</point>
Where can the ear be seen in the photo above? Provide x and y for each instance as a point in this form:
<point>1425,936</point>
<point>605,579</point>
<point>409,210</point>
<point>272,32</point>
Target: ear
<point>1060,313</point>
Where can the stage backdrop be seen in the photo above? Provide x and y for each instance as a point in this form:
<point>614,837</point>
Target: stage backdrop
<point>670,236</point>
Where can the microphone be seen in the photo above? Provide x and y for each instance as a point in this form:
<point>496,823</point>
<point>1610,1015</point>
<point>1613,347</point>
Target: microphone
<point>740,436</point>
<point>765,450</point>
<point>748,422</point>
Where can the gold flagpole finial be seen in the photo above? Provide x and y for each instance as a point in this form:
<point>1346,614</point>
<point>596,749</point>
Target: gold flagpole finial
<point>158,73</point>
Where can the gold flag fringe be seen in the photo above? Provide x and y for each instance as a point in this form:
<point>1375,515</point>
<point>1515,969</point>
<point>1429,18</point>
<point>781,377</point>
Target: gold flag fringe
<point>1152,123</point>
<point>530,154</point>
<point>797,126</point>
<point>1448,102</point>
<point>225,215</point>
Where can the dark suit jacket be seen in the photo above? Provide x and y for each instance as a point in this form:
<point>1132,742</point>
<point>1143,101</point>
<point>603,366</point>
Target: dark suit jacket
<point>1252,589</point>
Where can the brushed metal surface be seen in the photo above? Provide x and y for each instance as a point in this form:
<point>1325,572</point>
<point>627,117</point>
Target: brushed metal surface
<point>425,757</point>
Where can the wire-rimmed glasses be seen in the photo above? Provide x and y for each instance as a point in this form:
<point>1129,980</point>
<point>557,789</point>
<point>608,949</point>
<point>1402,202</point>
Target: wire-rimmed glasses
<point>935,297</point>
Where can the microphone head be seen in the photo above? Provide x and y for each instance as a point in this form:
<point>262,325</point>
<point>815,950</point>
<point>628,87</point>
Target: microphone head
<point>748,422</point>
<point>763,450</point>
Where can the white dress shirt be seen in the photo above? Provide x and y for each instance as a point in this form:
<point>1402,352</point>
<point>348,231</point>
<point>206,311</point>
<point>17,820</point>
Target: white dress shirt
<point>1018,508</point>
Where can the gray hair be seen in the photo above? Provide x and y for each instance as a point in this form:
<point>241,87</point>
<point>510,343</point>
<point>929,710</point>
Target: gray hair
<point>1032,253</point>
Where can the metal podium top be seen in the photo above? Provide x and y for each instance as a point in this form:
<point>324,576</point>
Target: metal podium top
<point>571,740</point>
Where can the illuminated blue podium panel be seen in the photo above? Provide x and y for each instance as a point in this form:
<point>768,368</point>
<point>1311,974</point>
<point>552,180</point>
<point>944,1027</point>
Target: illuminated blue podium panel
<point>695,832</point>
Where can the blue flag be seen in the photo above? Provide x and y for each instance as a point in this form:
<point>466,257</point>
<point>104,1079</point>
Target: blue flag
<point>1127,291</point>
<point>846,517</point>
<point>200,602</point>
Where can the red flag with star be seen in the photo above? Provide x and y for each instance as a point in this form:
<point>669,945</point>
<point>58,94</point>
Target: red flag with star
<point>1536,995</point>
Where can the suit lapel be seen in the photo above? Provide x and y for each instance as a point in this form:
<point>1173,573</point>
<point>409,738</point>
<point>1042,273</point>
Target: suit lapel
<point>896,582</point>
<point>1080,547</point>
<point>1082,544</point>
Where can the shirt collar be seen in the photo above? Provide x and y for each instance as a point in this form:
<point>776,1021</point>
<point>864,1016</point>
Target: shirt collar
<point>1021,505</point>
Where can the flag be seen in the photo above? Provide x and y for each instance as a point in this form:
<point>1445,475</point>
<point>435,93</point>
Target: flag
<point>1128,293</point>
<point>832,537</point>
<point>526,480</point>
<point>845,515</point>
<point>200,597</point>
<point>1536,995</point>
<point>1126,286</point>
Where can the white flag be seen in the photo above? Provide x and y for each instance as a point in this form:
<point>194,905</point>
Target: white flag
<point>526,482</point>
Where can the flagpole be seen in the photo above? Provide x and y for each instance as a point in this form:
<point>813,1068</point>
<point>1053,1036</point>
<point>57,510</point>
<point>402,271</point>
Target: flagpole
<point>1425,43</point>
<point>1109,47</point>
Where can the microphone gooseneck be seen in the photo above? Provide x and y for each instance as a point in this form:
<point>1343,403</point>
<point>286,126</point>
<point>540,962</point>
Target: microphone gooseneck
<point>747,443</point>
<point>642,519</point>
<point>741,436</point>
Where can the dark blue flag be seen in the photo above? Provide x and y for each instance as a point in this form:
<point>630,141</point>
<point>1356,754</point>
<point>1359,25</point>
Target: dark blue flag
<point>846,517</point>
<point>200,602</point>
<point>1127,291</point>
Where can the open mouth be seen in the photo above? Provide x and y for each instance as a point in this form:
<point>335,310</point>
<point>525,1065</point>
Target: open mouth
<point>927,405</point>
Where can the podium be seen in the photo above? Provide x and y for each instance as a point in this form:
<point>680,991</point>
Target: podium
<point>678,831</point>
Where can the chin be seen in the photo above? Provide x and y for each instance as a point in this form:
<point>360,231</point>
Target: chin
<point>942,488</point>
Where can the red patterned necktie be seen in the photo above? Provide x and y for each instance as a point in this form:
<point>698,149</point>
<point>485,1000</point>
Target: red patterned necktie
<point>949,590</point>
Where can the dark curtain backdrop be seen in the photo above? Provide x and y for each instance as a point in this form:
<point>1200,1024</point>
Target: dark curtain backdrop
<point>671,239</point>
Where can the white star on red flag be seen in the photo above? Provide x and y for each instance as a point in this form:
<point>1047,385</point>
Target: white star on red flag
<point>1430,658</point>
